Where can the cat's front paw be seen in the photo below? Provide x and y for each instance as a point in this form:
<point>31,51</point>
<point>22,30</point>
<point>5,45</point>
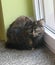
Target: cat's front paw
<point>33,48</point>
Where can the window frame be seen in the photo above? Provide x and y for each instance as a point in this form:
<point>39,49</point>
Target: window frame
<point>41,13</point>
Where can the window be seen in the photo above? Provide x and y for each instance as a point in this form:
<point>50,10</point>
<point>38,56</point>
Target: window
<point>49,10</point>
<point>38,9</point>
<point>46,9</point>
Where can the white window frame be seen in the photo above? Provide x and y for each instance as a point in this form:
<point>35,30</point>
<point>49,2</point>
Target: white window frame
<point>38,9</point>
<point>41,12</point>
<point>49,9</point>
<point>49,36</point>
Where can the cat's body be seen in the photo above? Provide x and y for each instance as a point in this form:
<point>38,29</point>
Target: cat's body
<point>24,33</point>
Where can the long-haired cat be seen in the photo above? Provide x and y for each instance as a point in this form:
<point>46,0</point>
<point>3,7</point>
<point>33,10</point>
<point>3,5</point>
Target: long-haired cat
<point>24,33</point>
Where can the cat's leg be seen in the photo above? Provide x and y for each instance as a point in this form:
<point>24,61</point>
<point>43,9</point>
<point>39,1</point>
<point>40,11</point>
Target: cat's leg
<point>31,44</point>
<point>33,48</point>
<point>28,44</point>
<point>7,44</point>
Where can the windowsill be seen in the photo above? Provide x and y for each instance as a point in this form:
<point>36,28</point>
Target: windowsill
<point>50,33</point>
<point>50,40</point>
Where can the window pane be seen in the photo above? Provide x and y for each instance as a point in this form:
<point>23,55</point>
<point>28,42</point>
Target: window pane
<point>36,9</point>
<point>41,9</point>
<point>49,13</point>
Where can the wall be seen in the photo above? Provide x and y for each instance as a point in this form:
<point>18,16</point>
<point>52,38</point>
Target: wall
<point>14,8</point>
<point>2,37</point>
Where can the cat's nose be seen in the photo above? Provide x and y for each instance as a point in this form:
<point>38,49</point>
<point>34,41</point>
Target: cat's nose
<point>34,34</point>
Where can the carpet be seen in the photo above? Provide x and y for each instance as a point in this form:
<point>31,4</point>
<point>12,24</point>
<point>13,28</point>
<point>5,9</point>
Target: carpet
<point>40,56</point>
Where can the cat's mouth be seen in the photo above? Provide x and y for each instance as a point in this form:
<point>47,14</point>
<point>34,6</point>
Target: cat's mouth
<point>37,34</point>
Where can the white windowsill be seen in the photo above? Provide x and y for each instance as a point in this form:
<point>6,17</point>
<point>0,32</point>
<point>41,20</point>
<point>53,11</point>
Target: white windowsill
<point>50,40</point>
<point>50,33</point>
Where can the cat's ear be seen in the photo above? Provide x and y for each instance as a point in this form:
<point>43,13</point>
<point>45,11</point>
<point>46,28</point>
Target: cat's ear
<point>41,22</point>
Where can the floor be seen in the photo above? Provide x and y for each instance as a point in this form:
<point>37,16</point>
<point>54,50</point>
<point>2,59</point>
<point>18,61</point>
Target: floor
<point>41,56</point>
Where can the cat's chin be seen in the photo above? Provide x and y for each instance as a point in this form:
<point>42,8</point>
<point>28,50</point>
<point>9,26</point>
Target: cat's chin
<point>35,35</point>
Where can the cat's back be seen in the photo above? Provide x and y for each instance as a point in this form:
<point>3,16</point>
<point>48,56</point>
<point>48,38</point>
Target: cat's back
<point>20,21</point>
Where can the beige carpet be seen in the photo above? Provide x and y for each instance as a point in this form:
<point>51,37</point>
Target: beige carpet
<point>41,56</point>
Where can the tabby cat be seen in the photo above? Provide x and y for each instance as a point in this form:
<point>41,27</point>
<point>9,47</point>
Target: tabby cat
<point>25,33</point>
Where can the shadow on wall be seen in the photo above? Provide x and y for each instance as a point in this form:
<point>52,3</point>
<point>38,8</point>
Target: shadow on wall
<point>2,30</point>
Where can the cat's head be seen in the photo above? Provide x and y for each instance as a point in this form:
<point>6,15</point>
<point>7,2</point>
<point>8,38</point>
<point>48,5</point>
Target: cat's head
<point>38,28</point>
<point>35,28</point>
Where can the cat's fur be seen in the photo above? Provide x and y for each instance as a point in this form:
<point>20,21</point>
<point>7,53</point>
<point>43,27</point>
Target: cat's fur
<point>24,33</point>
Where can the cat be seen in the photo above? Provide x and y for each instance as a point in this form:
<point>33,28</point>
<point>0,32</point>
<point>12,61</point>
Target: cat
<point>25,33</point>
